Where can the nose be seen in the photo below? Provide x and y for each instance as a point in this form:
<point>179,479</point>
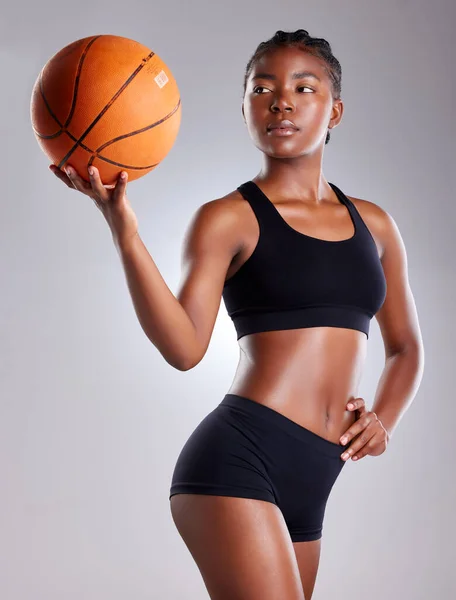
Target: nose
<point>282,103</point>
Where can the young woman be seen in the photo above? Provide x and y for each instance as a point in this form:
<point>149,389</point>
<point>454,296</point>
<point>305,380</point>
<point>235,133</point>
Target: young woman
<point>302,269</point>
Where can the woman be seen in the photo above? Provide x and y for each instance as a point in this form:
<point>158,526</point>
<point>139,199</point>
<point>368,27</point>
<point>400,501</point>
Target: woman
<point>302,269</point>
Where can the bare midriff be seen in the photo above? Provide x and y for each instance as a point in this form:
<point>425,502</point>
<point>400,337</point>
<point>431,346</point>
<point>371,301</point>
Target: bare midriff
<point>309,375</point>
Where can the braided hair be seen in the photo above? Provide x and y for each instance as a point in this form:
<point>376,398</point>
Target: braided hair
<point>316,46</point>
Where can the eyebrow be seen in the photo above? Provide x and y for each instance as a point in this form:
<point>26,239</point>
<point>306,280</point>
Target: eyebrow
<point>300,75</point>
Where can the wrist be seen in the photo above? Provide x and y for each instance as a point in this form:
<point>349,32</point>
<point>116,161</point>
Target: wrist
<point>125,242</point>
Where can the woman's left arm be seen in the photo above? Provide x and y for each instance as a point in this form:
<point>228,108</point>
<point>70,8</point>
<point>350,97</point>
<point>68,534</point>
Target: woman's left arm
<point>398,321</point>
<point>404,351</point>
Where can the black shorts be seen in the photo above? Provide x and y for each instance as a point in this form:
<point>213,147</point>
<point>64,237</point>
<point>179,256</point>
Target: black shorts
<point>246,449</point>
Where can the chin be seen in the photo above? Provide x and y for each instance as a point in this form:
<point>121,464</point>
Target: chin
<point>280,150</point>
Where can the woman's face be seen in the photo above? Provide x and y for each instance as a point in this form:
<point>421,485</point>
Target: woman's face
<point>281,86</point>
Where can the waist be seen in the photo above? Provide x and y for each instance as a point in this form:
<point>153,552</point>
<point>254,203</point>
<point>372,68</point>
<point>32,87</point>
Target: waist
<point>294,418</point>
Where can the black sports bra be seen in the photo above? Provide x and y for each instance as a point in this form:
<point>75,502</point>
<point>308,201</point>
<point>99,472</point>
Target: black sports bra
<point>294,281</point>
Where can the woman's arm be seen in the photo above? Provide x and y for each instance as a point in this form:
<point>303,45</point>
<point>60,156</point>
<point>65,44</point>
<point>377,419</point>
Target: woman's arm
<point>398,321</point>
<point>181,327</point>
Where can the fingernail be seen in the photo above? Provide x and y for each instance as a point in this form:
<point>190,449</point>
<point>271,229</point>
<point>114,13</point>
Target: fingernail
<point>90,171</point>
<point>350,405</point>
<point>68,171</point>
<point>123,175</point>
<point>344,455</point>
<point>343,440</point>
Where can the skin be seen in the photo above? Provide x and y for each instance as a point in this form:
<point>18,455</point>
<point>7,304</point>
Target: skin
<point>309,375</point>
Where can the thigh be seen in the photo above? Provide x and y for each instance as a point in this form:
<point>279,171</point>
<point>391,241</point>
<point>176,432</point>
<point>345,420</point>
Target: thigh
<point>308,558</point>
<point>241,546</point>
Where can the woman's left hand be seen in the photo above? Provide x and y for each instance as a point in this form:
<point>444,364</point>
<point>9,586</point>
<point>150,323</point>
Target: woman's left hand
<point>371,437</point>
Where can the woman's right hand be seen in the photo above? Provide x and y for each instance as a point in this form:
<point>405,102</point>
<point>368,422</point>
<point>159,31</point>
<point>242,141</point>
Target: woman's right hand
<point>111,200</point>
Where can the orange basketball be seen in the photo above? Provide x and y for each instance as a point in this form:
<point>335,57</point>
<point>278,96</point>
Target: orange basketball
<point>108,101</point>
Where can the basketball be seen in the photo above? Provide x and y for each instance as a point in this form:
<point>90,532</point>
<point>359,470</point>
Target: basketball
<point>106,101</point>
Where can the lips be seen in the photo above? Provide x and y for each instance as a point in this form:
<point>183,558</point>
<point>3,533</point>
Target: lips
<point>284,124</point>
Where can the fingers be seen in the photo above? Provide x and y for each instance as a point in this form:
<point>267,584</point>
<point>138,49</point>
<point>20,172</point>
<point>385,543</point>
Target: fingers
<point>94,187</point>
<point>361,442</point>
<point>121,186</point>
<point>71,178</point>
<point>364,431</point>
<point>100,189</point>
<point>375,446</point>
<point>356,404</point>
<point>61,175</point>
<point>97,185</point>
<point>358,426</point>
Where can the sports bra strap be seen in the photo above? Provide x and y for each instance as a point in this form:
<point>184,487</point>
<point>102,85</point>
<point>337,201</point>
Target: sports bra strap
<point>264,210</point>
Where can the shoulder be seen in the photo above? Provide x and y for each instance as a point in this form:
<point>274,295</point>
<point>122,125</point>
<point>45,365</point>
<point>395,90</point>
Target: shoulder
<point>380,223</point>
<point>218,220</point>
<point>225,212</point>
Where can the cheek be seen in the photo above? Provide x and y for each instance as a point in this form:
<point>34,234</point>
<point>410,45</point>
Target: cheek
<point>313,111</point>
<point>255,119</point>
<point>252,112</point>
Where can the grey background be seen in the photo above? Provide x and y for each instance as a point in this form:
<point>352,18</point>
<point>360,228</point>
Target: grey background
<point>92,417</point>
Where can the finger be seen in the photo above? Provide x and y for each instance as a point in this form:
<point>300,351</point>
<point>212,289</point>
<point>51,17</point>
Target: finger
<point>356,404</point>
<point>374,442</point>
<point>121,186</point>
<point>61,175</point>
<point>77,181</point>
<point>97,184</point>
<point>358,426</point>
<point>71,175</point>
<point>362,440</point>
<point>351,433</point>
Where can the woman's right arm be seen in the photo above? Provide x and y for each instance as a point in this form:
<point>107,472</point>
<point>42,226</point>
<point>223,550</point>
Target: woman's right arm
<point>181,326</point>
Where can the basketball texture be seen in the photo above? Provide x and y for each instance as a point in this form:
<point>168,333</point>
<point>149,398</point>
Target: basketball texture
<point>108,101</point>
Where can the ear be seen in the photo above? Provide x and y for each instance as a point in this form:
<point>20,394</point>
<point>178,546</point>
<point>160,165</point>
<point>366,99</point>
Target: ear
<point>336,114</point>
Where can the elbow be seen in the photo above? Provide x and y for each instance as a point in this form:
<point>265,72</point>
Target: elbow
<point>183,354</point>
<point>183,364</point>
<point>178,365</point>
<point>414,352</point>
<point>189,364</point>
<point>417,348</point>
<point>186,367</point>
<point>192,358</point>
<point>408,346</point>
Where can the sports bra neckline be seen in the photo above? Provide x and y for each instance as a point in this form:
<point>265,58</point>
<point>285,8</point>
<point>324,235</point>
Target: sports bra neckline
<point>342,200</point>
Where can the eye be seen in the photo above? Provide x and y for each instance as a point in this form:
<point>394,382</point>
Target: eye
<point>260,87</point>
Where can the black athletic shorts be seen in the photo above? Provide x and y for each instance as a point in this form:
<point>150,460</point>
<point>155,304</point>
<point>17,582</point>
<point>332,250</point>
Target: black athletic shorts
<point>246,449</point>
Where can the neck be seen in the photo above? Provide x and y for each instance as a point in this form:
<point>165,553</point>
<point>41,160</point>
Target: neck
<point>298,178</point>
